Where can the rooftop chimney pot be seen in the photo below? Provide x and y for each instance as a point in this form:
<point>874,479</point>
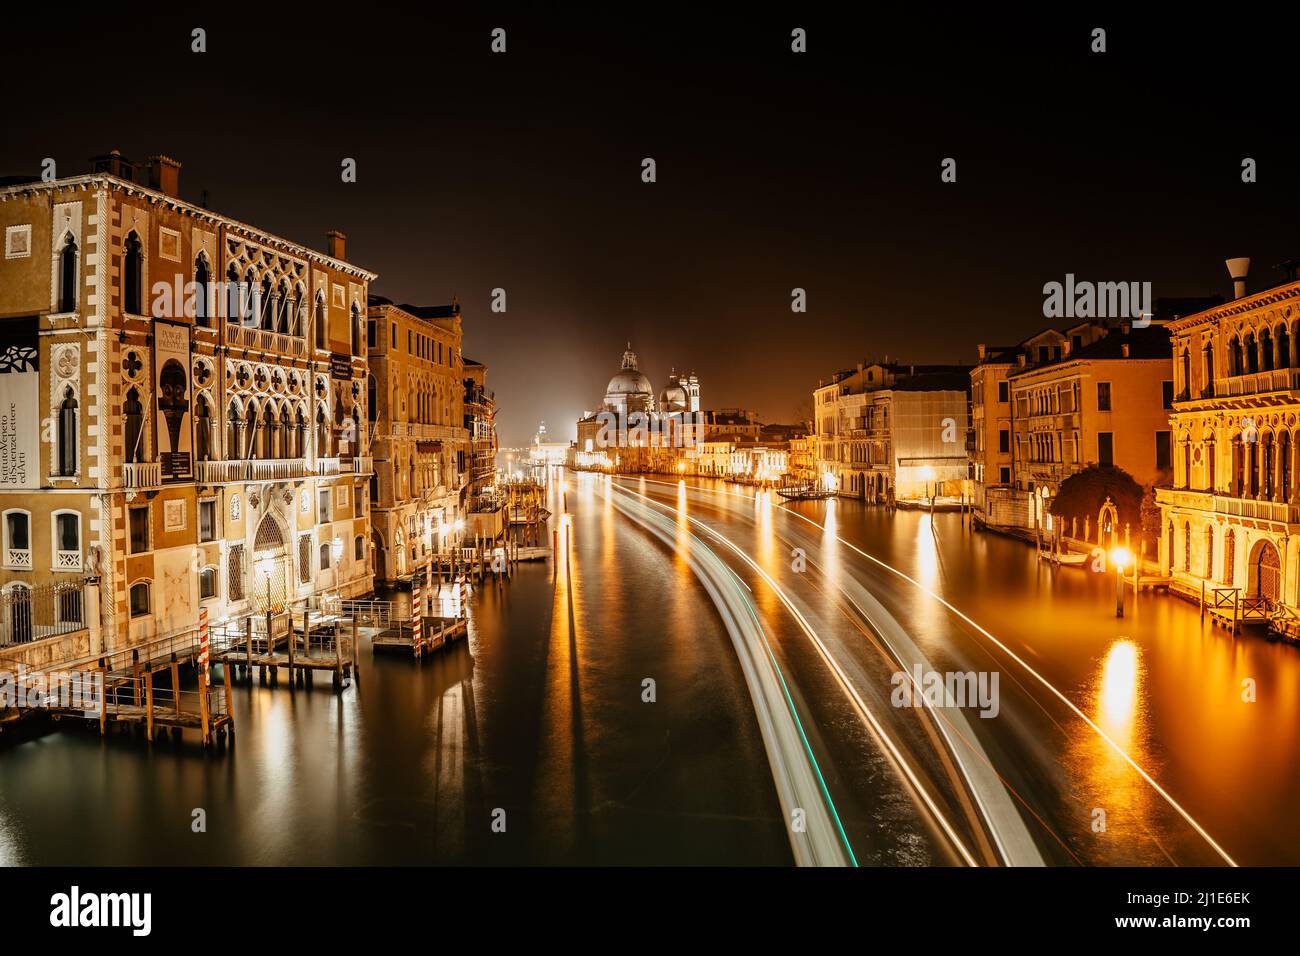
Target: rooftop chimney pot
<point>165,175</point>
<point>1238,269</point>
<point>336,244</point>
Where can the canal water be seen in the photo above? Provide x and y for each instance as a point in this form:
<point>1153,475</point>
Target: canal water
<point>531,742</point>
<point>538,723</point>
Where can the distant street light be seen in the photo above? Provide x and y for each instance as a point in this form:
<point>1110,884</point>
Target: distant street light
<point>1119,557</point>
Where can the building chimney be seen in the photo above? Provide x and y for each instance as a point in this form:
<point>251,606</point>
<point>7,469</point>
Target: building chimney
<point>1123,349</point>
<point>982,347</point>
<point>336,244</point>
<point>165,175</point>
<point>1238,268</point>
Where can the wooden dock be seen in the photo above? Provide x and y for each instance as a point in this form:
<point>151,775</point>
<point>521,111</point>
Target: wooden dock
<point>436,633</point>
<point>311,642</point>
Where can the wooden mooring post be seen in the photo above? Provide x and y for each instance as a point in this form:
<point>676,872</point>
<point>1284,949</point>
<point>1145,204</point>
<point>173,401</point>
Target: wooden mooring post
<point>148,703</point>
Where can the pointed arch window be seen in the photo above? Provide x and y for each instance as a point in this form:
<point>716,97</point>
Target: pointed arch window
<point>282,308</point>
<point>68,275</point>
<point>67,463</point>
<point>299,435</point>
<point>202,281</point>
<point>233,297</point>
<point>358,340</point>
<point>322,434</point>
<point>234,448</point>
<point>202,430</point>
<point>133,275</point>
<point>285,433</point>
<point>267,305</point>
<point>133,415</point>
<point>319,321</point>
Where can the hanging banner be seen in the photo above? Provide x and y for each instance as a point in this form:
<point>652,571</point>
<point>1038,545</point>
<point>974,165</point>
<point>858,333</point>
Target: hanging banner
<point>171,362</point>
<point>20,411</point>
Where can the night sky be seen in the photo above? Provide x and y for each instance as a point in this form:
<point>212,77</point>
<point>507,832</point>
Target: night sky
<point>775,170</point>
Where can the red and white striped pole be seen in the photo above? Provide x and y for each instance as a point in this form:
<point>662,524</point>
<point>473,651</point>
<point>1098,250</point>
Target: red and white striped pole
<point>417,610</point>
<point>204,656</point>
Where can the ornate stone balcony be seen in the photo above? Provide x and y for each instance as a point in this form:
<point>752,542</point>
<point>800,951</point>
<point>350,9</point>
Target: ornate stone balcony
<point>1277,380</point>
<point>250,337</point>
<point>142,475</point>
<point>256,469</point>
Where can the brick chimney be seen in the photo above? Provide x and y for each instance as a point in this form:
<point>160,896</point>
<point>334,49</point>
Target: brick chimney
<point>165,175</point>
<point>336,245</point>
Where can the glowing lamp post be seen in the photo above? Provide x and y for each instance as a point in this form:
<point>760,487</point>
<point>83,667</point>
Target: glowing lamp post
<point>1119,557</point>
<point>927,476</point>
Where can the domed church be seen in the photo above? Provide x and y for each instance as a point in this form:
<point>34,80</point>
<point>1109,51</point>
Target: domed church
<point>629,390</point>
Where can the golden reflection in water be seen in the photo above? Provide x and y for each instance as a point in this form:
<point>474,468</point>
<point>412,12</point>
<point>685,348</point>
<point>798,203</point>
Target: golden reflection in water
<point>1135,821</point>
<point>831,524</point>
<point>767,556</point>
<point>682,528</point>
<point>927,553</point>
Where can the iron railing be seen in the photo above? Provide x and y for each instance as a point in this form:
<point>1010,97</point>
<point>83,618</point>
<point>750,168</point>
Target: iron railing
<point>32,614</point>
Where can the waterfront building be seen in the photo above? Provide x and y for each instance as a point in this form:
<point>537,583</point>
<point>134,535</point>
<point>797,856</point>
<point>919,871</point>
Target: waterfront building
<point>420,443</point>
<point>1103,399</point>
<point>544,450</point>
<point>182,399</point>
<point>1230,517</point>
<point>995,500</point>
<point>485,507</point>
<point>887,431</point>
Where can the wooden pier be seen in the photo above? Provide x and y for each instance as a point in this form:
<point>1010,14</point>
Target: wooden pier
<point>435,634</point>
<point>298,642</point>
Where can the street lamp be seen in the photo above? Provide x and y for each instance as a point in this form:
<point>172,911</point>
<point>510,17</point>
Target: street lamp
<point>927,476</point>
<point>1119,557</point>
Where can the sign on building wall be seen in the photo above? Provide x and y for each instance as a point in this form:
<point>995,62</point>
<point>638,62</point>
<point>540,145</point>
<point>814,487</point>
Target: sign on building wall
<point>171,346</point>
<point>340,366</point>
<point>20,411</point>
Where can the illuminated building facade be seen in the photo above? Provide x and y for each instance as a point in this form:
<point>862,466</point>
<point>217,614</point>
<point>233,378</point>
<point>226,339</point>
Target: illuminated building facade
<point>420,440</point>
<point>182,396</point>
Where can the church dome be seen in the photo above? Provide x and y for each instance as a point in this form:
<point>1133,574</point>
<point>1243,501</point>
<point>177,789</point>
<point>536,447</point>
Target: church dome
<point>672,398</point>
<point>629,382</point>
<point>629,389</point>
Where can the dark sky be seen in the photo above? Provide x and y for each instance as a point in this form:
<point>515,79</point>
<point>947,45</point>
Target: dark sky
<point>775,170</point>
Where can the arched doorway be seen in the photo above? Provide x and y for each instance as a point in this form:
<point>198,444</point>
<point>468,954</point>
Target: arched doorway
<point>270,567</point>
<point>1265,572</point>
<point>1108,525</point>
<point>381,557</point>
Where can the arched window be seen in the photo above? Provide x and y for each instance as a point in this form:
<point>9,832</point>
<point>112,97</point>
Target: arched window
<point>133,275</point>
<point>322,433</point>
<point>359,548</point>
<point>1283,347</point>
<point>202,430</point>
<point>1235,358</point>
<point>324,556</point>
<point>207,583</point>
<point>299,435</point>
<point>1209,552</point>
<point>140,599</point>
<point>268,305</point>
<point>358,334</point>
<point>1252,354</point>
<point>371,399</point>
<point>202,280</point>
<point>286,435</point>
<point>234,447</point>
<point>319,321</point>
<point>1265,350</point>
<point>68,275</point>
<point>248,296</point>
<point>233,299</point>
<point>299,311</point>
<point>133,413</point>
<point>68,434</point>
<point>1186,385</point>
<point>1208,354</point>
<point>270,446</point>
<point>282,307</point>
